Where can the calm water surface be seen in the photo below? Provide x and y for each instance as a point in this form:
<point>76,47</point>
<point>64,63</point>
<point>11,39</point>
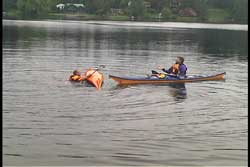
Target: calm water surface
<point>49,121</point>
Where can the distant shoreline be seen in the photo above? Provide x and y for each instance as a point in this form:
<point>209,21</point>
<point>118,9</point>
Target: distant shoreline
<point>142,24</point>
<point>73,18</point>
<point>122,18</point>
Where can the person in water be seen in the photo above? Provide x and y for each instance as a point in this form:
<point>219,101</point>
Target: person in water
<point>76,76</point>
<point>178,70</point>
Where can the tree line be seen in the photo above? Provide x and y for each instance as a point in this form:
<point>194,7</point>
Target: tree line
<point>238,9</point>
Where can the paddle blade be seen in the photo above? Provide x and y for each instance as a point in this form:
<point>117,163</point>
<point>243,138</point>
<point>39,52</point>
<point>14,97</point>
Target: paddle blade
<point>154,72</point>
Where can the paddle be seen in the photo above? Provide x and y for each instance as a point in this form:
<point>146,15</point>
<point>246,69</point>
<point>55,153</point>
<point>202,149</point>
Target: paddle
<point>157,73</point>
<point>154,72</point>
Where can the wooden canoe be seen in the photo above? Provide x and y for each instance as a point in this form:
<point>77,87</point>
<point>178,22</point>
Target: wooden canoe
<point>144,80</point>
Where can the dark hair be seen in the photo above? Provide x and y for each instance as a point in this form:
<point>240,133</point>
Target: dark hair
<point>181,59</point>
<point>75,72</point>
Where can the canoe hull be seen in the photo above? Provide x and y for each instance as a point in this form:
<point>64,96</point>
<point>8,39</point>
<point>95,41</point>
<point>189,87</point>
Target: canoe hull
<point>130,81</point>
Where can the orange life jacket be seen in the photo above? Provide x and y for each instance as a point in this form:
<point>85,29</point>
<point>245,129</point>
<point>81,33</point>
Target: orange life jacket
<point>95,77</point>
<point>176,68</point>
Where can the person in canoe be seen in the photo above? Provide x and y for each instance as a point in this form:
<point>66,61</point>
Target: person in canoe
<point>76,76</point>
<point>178,70</point>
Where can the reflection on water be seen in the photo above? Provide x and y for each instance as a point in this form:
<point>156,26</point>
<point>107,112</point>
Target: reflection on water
<point>47,121</point>
<point>215,43</point>
<point>179,91</point>
<point>26,34</point>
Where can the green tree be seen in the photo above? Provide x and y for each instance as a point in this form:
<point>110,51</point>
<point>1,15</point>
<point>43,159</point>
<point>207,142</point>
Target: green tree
<point>166,13</point>
<point>200,6</point>
<point>52,5</point>
<point>237,8</point>
<point>223,4</point>
<point>99,7</point>
<point>33,8</point>
<point>103,7</point>
<point>137,8</point>
<point>240,11</point>
<point>114,3</point>
<point>9,5</point>
<point>124,4</point>
<point>159,5</point>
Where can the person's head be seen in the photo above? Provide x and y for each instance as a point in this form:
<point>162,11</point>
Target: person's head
<point>179,60</point>
<point>76,72</point>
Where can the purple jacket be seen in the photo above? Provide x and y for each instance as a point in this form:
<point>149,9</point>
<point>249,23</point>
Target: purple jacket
<point>182,68</point>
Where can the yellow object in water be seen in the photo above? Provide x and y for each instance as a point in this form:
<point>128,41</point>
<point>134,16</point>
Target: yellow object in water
<point>162,75</point>
<point>76,77</point>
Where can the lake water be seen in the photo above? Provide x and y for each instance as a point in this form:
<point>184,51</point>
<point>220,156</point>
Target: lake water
<point>49,121</point>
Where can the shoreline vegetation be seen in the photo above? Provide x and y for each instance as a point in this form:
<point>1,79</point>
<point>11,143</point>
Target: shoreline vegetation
<point>190,11</point>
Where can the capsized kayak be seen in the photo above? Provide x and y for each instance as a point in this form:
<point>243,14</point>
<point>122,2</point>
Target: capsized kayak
<point>95,78</point>
<point>145,80</point>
